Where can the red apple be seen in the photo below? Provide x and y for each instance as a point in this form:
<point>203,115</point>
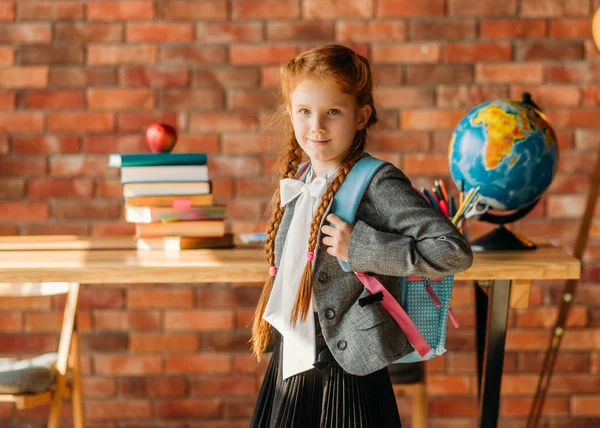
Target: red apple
<point>161,138</point>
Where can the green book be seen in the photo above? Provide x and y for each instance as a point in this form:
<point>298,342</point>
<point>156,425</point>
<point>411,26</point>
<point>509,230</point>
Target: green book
<point>117,160</point>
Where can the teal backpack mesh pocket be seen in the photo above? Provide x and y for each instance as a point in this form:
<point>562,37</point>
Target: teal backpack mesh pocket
<point>427,302</point>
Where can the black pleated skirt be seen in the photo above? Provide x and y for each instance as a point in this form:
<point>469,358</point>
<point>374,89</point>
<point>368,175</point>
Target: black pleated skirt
<point>324,397</point>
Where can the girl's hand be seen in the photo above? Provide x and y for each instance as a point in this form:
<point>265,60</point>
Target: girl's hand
<point>338,237</point>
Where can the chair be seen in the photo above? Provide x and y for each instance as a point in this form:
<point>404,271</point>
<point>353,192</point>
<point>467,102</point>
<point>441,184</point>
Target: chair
<point>411,378</point>
<point>43,379</point>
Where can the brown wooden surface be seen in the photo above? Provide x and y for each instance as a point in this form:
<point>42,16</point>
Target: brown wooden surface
<point>128,266</point>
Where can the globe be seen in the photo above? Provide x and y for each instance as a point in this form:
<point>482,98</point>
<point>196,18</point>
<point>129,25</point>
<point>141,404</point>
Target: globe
<point>509,151</point>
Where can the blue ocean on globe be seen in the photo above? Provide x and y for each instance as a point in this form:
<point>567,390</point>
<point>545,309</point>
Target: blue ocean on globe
<point>508,149</point>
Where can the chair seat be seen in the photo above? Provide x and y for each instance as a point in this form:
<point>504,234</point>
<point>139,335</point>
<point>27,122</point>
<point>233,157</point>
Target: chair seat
<point>408,373</point>
<point>29,376</point>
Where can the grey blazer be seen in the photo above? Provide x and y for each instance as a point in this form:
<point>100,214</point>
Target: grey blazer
<point>397,233</point>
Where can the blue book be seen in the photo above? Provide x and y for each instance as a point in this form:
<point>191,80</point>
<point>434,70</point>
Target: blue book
<point>117,160</point>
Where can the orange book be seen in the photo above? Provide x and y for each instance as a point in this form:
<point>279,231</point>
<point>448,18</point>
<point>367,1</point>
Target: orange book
<point>178,243</point>
<point>199,228</point>
<point>177,202</point>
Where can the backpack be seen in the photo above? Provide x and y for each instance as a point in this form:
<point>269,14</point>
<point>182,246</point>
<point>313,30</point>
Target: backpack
<point>425,308</point>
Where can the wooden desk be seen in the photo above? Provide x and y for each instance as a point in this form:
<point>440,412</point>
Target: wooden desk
<point>90,260</point>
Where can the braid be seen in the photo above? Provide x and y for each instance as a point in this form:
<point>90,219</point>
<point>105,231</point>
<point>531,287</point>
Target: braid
<point>303,298</point>
<point>261,329</point>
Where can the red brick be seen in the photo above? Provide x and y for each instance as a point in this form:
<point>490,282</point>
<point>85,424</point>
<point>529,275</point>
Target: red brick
<point>194,10</point>
<point>591,96</point>
<point>412,53</point>
<point>184,99</point>
<point>244,99</point>
<point>57,188</point>
<point>190,54</point>
<point>530,362</point>
<point>23,166</point>
<point>189,409</point>
<point>555,95</point>
<point>82,210</point>
<point>198,363</point>
<point>477,52</point>
<point>198,320</point>
<point>210,122</point>
<point>509,73</point>
<point>156,298</point>
<point>42,55</point>
<point>117,410</point>
<point>336,9</point>
<point>513,29</point>
<point>453,406</point>
<point>81,77</point>
<point>445,30</point>
<point>585,117</point>
<point>35,343</point>
<point>479,8</point>
<point>206,143</point>
<point>428,119</point>
<point>120,99</point>
<point>4,145</point>
<point>585,405</point>
<point>245,77</point>
<point>450,96</point>
<point>86,33</point>
<point>11,322</point>
<point>292,31</point>
<point>25,303</point>
<point>549,51</point>
<point>370,31</point>
<point>439,74</point>
<point>141,121</point>
<point>126,320</point>
<point>157,343</point>
<point>98,387</point>
<point>521,406</point>
<point>249,143</point>
<point>400,141</point>
<point>26,34</point>
<point>250,54</point>
<point>269,9</point>
<point>553,8</point>
<point>127,365</point>
<point>50,11</point>
<point>7,55</point>
<point>397,98</point>
<point>159,32</point>
<point>45,144</point>
<point>446,385</point>
<point>21,121</point>
<point>53,229</point>
<point>122,10</point>
<point>270,77</point>
<point>121,54</point>
<point>52,321</point>
<point>80,165</point>
<point>584,73</point>
<point>595,362</point>
<point>54,100</point>
<point>167,387</point>
<point>224,386</point>
<point>225,166</point>
<point>81,121</point>
<point>546,317</point>
<point>154,77</point>
<point>570,29</point>
<point>7,11</point>
<point>12,188</point>
<point>8,230</point>
<point>23,211</point>
<point>120,143</point>
<point>407,8</point>
<point>258,187</point>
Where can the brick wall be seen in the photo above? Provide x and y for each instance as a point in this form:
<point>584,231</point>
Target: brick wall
<point>81,79</point>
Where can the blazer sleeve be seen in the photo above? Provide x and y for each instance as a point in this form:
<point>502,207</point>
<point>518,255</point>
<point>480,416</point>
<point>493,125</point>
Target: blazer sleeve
<point>400,234</point>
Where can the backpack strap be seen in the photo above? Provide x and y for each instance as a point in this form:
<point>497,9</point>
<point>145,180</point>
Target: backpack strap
<point>346,199</point>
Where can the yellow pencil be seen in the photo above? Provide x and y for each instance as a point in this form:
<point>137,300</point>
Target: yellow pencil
<point>463,206</point>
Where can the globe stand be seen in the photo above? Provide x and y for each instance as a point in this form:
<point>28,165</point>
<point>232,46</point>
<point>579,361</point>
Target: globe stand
<point>502,239</point>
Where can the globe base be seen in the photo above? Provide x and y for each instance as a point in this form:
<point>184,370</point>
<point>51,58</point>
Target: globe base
<point>502,239</point>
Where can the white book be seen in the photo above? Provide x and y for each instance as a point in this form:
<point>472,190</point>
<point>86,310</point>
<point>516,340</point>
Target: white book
<point>163,173</point>
<point>166,189</point>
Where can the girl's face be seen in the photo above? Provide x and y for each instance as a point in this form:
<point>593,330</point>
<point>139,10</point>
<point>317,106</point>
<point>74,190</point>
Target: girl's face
<point>325,120</point>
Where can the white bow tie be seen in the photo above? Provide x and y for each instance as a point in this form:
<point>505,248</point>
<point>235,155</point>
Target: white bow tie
<point>290,189</point>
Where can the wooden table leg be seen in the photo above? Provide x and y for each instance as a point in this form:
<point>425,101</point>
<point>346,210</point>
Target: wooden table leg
<point>491,321</point>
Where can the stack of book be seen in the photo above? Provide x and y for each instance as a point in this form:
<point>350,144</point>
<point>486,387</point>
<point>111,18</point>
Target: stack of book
<point>169,198</point>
